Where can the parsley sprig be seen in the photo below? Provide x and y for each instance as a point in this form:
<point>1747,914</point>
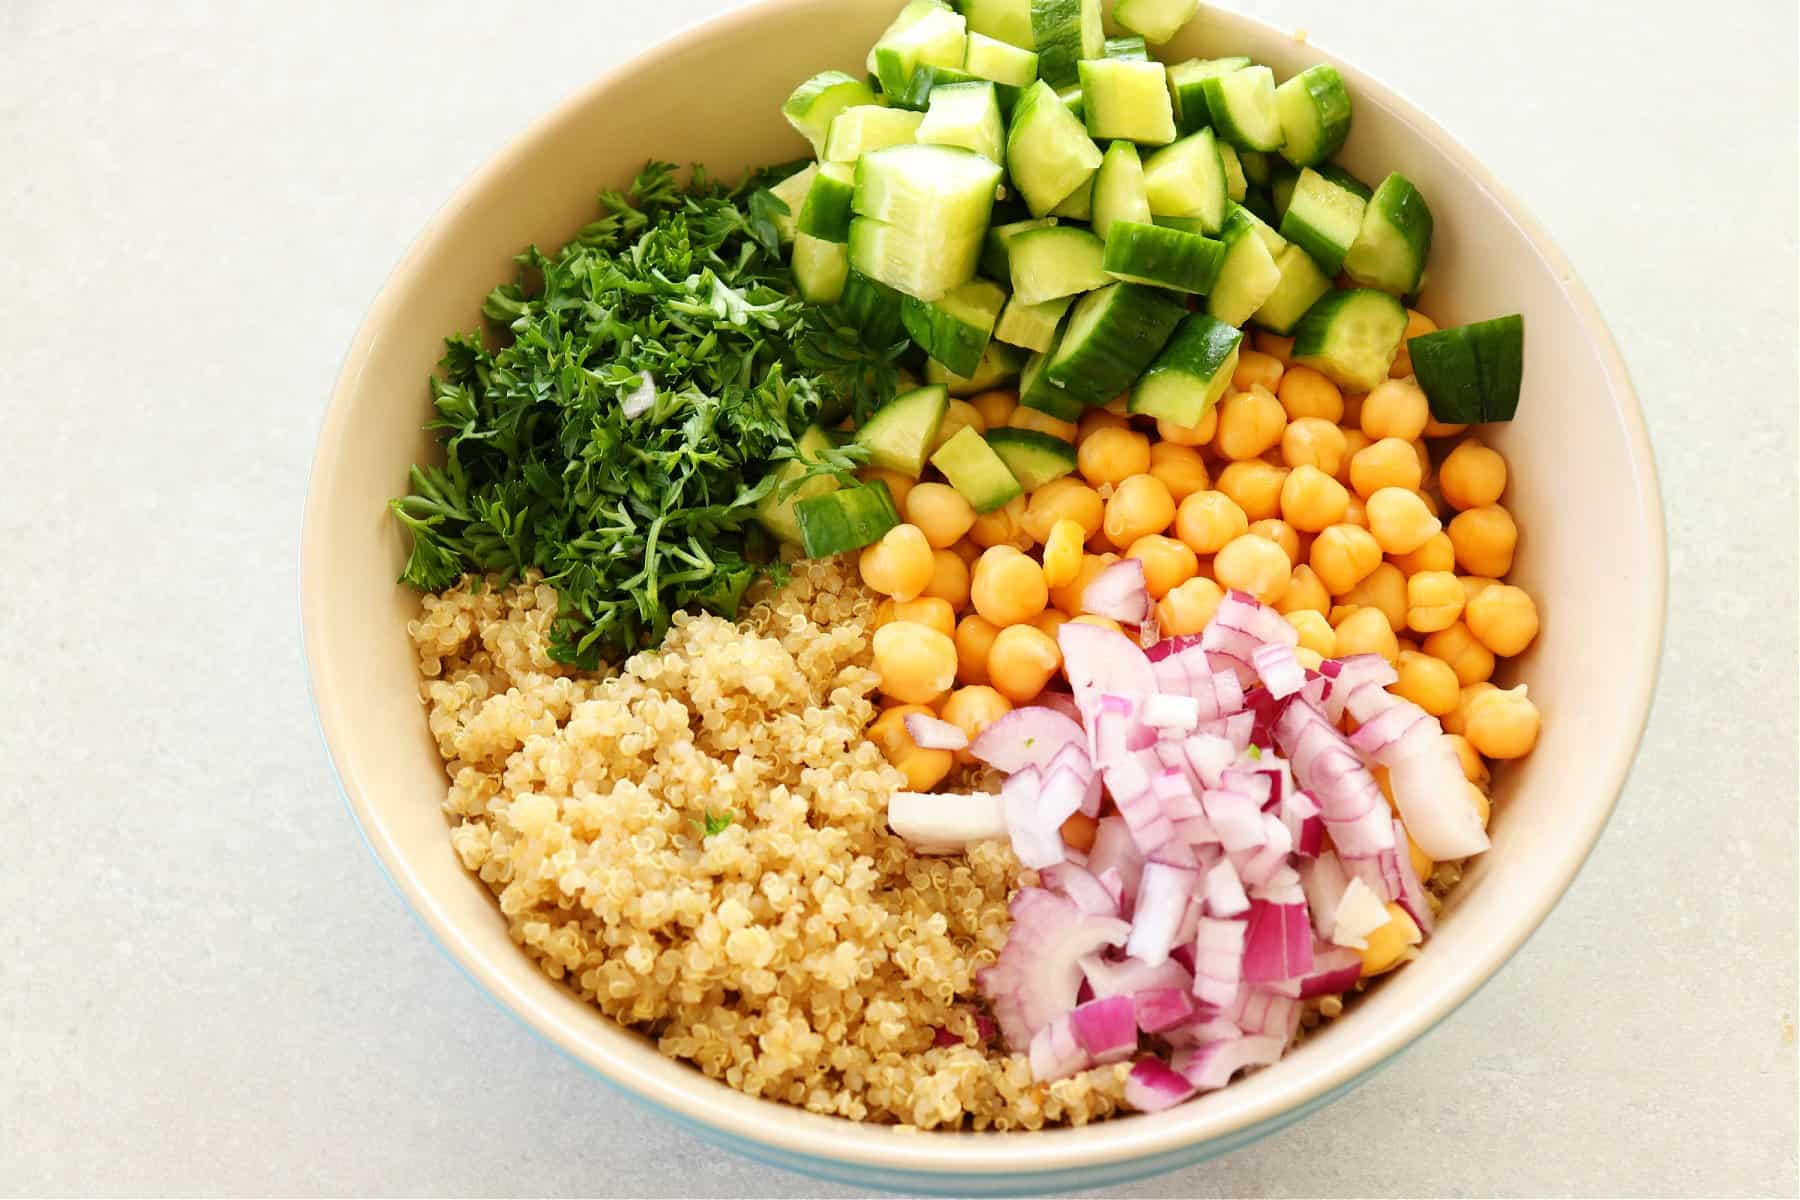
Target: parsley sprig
<point>678,297</point>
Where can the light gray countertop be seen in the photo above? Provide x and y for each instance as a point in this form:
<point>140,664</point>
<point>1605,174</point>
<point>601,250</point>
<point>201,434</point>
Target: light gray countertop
<point>205,984</point>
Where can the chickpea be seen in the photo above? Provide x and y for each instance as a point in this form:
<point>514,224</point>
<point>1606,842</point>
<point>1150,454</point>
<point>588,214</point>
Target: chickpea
<point>1503,724</point>
<point>898,485</point>
<point>1313,442</point>
<point>1023,659</point>
<point>1257,370</point>
<point>1311,499</point>
<point>1343,556</point>
<point>975,636</point>
<point>1062,553</point>
<point>923,769</point>
<point>1355,512</point>
<point>1008,587</point>
<point>1366,631</point>
<point>1385,591</point>
<point>1188,606</point>
<point>1417,325</point>
<point>1281,533</point>
<point>1395,409</point>
<point>1049,621</point>
<point>1180,468</point>
<point>1473,585</point>
<point>1399,520</point>
<point>1168,562</point>
<point>1472,661</point>
<point>1355,442</point>
<point>1306,393</point>
<point>1308,658</point>
<point>1079,830</point>
<point>1390,945</point>
<point>1503,618</point>
<point>1484,539</point>
<point>1474,767</point>
<point>966,550</point>
<point>1437,554</point>
<point>1352,418</point>
<point>973,709</point>
<point>1434,601</point>
<point>959,416</point>
<point>1101,418</point>
<point>1039,421</point>
<point>1256,486</point>
<point>916,663</point>
<point>1190,435</point>
<point>1316,633</point>
<point>926,610</point>
<point>1435,428</point>
<point>1274,345</point>
<point>1112,455</point>
<point>900,564</point>
<point>1255,565</point>
<point>1207,520</point>
<point>1456,721</point>
<point>1068,596</point>
<point>940,512</point>
<point>996,406</point>
<point>1472,475</point>
<point>1428,682</point>
<point>1140,505</point>
<point>1421,864</point>
<point>1097,621</point>
<point>1249,423</point>
<point>1389,463</point>
<point>1062,499</point>
<point>1005,526</point>
<point>949,579</point>
<point>1304,592</point>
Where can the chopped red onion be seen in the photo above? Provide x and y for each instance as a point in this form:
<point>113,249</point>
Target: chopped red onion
<point>1106,1028</point>
<point>1131,976</point>
<point>1162,901</point>
<point>1208,755</point>
<point>1410,895</point>
<point>1211,1065</point>
<point>1279,669</point>
<point>1235,818</point>
<point>1116,850</point>
<point>1157,1009</point>
<point>1360,911</point>
<point>1335,969</point>
<point>1278,942</point>
<point>1083,887</point>
<point>1224,892</point>
<point>1055,1052</point>
<point>1036,839</point>
<point>1027,737</point>
<point>1152,1086</point>
<point>1218,960</point>
<point>1039,970</point>
<point>1119,592</point>
<point>1164,711</point>
<point>1263,1012</point>
<point>930,733</point>
<point>1324,881</point>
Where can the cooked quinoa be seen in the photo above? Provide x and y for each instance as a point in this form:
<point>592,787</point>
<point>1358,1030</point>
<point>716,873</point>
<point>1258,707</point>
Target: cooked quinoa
<point>802,952</point>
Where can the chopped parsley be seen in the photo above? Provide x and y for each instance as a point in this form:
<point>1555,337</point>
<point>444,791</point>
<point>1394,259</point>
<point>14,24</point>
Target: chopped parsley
<point>676,299</point>
<point>716,822</point>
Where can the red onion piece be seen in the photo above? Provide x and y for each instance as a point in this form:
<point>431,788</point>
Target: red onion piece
<point>1224,891</point>
<point>1218,960</point>
<point>1235,818</point>
<point>1036,839</point>
<point>1279,669</point>
<point>1055,1053</point>
<point>1266,1013</point>
<point>1039,970</point>
<point>1335,970</point>
<point>1106,1028</point>
<point>1411,893</point>
<point>1211,1065</point>
<point>1324,881</point>
<point>1119,592</point>
<point>1152,1086</point>
<point>1164,711</point>
<point>1082,886</point>
<point>1161,903</point>
<point>1027,737</point>
<point>1360,911</point>
<point>1131,976</point>
<point>1208,755</point>
<point>1278,942</point>
<point>1117,851</point>
<point>1157,1009</point>
<point>930,733</point>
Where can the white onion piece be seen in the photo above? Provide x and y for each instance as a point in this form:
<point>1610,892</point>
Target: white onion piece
<point>1433,798</point>
<point>1359,913</point>
<point>946,822</point>
<point>932,733</point>
<point>1324,881</point>
<point>637,402</point>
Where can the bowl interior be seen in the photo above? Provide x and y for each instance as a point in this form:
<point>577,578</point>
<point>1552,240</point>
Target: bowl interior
<point>1582,488</point>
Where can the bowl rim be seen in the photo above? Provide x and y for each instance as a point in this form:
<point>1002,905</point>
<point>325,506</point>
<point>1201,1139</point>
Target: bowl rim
<point>706,1106</point>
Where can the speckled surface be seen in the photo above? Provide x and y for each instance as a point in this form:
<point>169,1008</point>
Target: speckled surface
<point>205,984</point>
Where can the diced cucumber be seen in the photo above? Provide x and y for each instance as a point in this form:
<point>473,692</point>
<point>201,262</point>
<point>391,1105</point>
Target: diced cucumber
<point>872,308</point>
<point>1323,219</point>
<point>826,212</point>
<point>1472,373</point>
<point>902,431</point>
<point>911,13</point>
<point>991,58</point>
<point>934,38</point>
<point>862,128</point>
<point>1156,20</point>
<point>792,192</point>
<point>928,190</point>
<point>1351,337</point>
<point>1185,224</point>
<point>955,329</point>
<point>1112,335</point>
<point>966,115</point>
<point>1191,373</point>
<point>1037,390</point>
<point>1034,458</point>
<point>847,519</point>
<point>775,511</point>
<point>993,248</point>
<point>813,104</point>
<point>1059,260</point>
<point>1283,178</point>
<point>1048,151</point>
<point>1394,239</point>
<point>1256,166</point>
<point>1119,191</point>
<point>1248,275</point>
<point>998,364</point>
<point>1008,21</point>
<point>1078,205</point>
<point>820,268</point>
<point>1066,31</point>
<point>1187,87</point>
<point>1131,49</point>
<point>1032,326</point>
<point>1188,180</point>
<point>1235,183</point>
<point>1315,115</point>
<point>928,78</point>
<point>1129,100</point>
<point>922,265</point>
<point>1163,257</point>
<point>1270,235</point>
<point>1242,104</point>
<point>1344,179</point>
<point>1302,283</point>
<point>1258,201</point>
<point>975,471</point>
<point>1071,98</point>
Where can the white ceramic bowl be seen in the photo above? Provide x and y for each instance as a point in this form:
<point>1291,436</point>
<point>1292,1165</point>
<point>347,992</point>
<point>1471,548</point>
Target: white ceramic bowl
<point>1583,488</point>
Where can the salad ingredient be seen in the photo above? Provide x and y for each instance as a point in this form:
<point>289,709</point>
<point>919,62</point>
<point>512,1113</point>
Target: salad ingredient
<point>1472,372</point>
<point>845,519</point>
<point>1314,108</point>
<point>1323,218</point>
<point>900,564</point>
<point>1394,238</point>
